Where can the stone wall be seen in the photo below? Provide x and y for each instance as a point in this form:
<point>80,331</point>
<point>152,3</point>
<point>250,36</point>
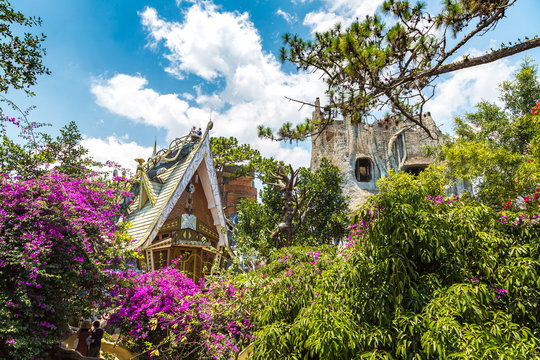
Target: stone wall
<point>366,152</point>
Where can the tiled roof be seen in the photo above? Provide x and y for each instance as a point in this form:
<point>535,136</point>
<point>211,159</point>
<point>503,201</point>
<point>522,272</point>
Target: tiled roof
<point>168,173</point>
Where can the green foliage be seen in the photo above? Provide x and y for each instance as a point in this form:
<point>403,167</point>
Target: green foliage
<point>423,277</point>
<point>520,94</point>
<point>21,60</point>
<point>229,155</point>
<point>36,152</point>
<point>324,223</point>
<point>69,156</point>
<point>497,147</point>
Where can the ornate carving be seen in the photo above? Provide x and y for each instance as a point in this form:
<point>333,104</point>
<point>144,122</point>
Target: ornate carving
<point>173,224</point>
<point>189,221</point>
<point>207,231</point>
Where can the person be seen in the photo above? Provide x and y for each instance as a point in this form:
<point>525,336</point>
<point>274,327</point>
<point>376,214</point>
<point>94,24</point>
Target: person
<point>199,132</point>
<point>95,343</point>
<point>194,135</point>
<point>82,335</point>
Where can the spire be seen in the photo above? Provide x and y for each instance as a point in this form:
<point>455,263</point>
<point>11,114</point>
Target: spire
<point>154,153</point>
<point>146,192</point>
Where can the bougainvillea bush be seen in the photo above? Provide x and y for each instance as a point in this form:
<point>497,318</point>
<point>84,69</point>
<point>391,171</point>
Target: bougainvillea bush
<point>423,275</point>
<point>58,239</point>
<point>164,314</point>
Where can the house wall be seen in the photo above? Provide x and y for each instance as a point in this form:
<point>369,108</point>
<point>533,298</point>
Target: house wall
<point>235,189</point>
<point>388,144</point>
<point>200,205</point>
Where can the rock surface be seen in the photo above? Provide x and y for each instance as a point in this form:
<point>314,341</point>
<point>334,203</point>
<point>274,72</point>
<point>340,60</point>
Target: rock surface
<point>366,152</point>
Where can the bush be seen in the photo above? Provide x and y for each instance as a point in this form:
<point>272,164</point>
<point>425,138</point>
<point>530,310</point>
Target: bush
<point>57,240</point>
<point>165,314</point>
<point>422,276</point>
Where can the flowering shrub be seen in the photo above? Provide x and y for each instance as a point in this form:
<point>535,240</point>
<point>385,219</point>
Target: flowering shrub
<point>424,276</point>
<point>57,239</point>
<point>165,314</point>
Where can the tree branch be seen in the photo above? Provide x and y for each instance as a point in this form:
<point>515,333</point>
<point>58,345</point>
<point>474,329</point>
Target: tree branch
<point>484,59</point>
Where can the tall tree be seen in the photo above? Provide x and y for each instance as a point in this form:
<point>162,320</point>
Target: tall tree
<point>295,203</point>
<point>228,152</point>
<point>21,56</point>
<point>297,207</point>
<point>496,147</point>
<point>371,66</point>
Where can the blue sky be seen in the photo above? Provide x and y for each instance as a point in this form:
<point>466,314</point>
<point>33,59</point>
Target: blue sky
<point>129,72</point>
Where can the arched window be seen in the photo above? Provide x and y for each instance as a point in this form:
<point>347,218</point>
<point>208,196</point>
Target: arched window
<point>362,170</point>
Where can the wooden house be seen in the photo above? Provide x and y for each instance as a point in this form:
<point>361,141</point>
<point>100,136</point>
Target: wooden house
<point>175,210</point>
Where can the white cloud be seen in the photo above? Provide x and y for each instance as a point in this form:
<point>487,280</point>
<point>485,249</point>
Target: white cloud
<point>340,11</point>
<point>117,149</point>
<point>294,155</point>
<point>288,17</point>
<point>463,89</point>
<point>223,39</point>
<point>128,96</point>
<point>215,45</point>
<point>320,21</point>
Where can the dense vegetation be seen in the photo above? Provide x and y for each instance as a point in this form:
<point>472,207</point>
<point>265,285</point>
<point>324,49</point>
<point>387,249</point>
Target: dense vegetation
<point>323,216</point>
<point>422,274</point>
<point>165,315</point>
<point>57,240</point>
<point>498,148</point>
<point>59,237</point>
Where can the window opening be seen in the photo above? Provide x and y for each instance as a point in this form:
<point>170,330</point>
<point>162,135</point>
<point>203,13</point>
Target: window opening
<point>363,170</point>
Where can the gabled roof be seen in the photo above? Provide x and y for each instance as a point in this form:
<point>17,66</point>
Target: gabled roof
<point>162,179</point>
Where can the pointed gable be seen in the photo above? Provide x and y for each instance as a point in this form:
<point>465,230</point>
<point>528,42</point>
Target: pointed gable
<point>162,180</point>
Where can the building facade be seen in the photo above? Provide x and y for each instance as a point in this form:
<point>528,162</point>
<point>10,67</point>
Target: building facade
<point>235,188</point>
<point>175,210</point>
<point>366,152</point>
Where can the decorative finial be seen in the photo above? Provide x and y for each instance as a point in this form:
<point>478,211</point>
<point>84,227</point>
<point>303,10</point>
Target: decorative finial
<point>140,161</point>
<point>210,124</point>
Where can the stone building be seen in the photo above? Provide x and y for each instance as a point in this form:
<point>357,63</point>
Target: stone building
<point>235,188</point>
<point>175,210</point>
<point>366,152</point>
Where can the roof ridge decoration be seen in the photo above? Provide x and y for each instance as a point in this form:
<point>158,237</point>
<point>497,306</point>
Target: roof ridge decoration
<point>176,144</point>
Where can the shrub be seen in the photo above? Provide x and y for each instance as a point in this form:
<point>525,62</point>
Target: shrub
<point>165,314</point>
<point>57,240</point>
<point>422,276</point>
